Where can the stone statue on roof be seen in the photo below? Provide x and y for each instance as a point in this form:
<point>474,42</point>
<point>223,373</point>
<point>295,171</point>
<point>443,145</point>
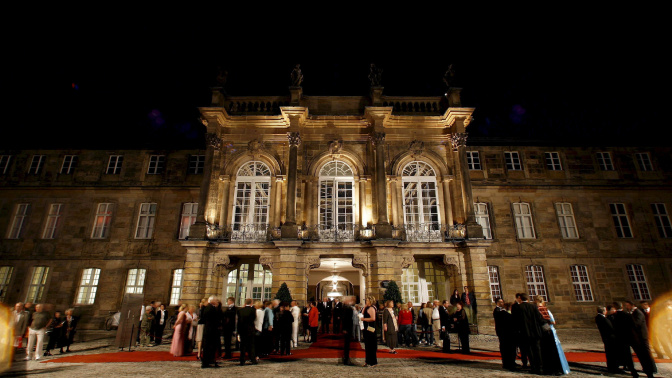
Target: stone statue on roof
<point>375,76</point>
<point>296,76</point>
<point>449,76</point>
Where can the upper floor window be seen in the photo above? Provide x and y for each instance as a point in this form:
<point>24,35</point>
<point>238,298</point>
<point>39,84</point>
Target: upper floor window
<point>19,218</point>
<point>38,282</point>
<point>101,223</point>
<point>421,203</point>
<point>523,218</point>
<point>553,161</point>
<point>621,221</point>
<point>135,282</point>
<point>662,220</point>
<point>196,164</point>
<point>536,284</point>
<point>146,218</point>
<point>512,160</point>
<point>604,161</point>
<point>114,164</point>
<point>4,163</point>
<point>69,164</point>
<point>53,219</point>
<point>176,287</point>
<point>36,164</point>
<point>88,285</point>
<point>483,218</point>
<point>565,214</point>
<point>581,283</point>
<point>251,202</point>
<point>640,289</point>
<point>473,161</point>
<point>644,161</point>
<point>189,212</point>
<point>337,217</point>
<point>156,164</point>
<point>495,286</point>
<point>5,278</point>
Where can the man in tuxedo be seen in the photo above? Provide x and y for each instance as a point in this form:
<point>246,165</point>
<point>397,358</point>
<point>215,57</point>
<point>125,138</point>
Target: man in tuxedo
<point>624,329</point>
<point>246,317</point>
<point>228,325</point>
<point>469,301</point>
<point>324,308</point>
<point>346,322</point>
<point>160,320</point>
<point>641,339</point>
<point>211,318</point>
<point>446,325</point>
<point>606,329</point>
<point>528,321</point>
<point>499,328</point>
<point>337,309</point>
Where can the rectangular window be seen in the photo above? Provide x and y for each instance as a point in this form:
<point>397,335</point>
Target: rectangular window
<point>565,214</point>
<point>604,161</point>
<point>189,211</point>
<point>483,218</point>
<point>553,161</point>
<point>114,164</point>
<point>20,215</point>
<point>640,290</point>
<point>662,220</point>
<point>88,286</point>
<point>36,164</point>
<point>69,164</point>
<point>644,161</point>
<point>53,220</point>
<point>473,161</point>
<point>38,282</point>
<point>620,218</point>
<point>176,287</point>
<point>101,224</point>
<point>5,277</point>
<point>581,283</point>
<point>135,283</point>
<point>196,164</point>
<point>4,163</point>
<point>156,164</point>
<point>523,218</point>
<point>536,285</point>
<point>512,160</point>
<point>495,287</point>
<point>146,218</point>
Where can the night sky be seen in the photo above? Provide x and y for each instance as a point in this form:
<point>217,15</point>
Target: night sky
<point>590,80</point>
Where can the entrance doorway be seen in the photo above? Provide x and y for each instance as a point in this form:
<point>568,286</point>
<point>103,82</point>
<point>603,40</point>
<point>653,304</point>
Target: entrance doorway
<point>336,278</point>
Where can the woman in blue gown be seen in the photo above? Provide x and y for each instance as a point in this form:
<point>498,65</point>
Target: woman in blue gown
<point>553,357</point>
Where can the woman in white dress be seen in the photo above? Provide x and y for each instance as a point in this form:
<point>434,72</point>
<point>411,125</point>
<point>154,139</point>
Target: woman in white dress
<point>296,313</point>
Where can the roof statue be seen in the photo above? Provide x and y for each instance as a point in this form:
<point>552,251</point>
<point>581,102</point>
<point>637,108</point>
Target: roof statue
<point>375,76</point>
<point>449,76</point>
<point>296,76</point>
<point>222,74</point>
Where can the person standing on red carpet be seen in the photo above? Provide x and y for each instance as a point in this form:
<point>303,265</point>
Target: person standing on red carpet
<point>347,327</point>
<point>313,320</point>
<point>247,330</point>
<point>370,340</point>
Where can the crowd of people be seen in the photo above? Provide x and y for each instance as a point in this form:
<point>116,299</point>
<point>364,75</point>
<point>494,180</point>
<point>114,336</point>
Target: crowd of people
<point>34,323</point>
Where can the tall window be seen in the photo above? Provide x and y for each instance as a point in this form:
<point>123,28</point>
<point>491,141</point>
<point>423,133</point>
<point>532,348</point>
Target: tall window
<point>423,282</point>
<point>189,212</point>
<point>176,287</point>
<point>604,161</point>
<point>53,220</point>
<point>512,160</point>
<point>4,164</point>
<point>249,281</point>
<point>88,286</point>
<point>553,161</point>
<point>337,217</point>
<point>156,164</point>
<point>135,283</point>
<point>640,290</point>
<point>36,164</point>
<point>250,206</point>
<point>196,164</point>
<point>581,283</point>
<point>101,223</point>
<point>69,164</point>
<point>644,161</point>
<point>536,285</point>
<point>662,220</point>
<point>114,164</point>
<point>473,161</point>
<point>495,287</point>
<point>565,214</point>
<point>523,217</point>
<point>5,278</point>
<point>421,203</point>
<point>483,218</point>
<point>19,218</point>
<point>620,218</point>
<point>38,281</point>
<point>146,218</point>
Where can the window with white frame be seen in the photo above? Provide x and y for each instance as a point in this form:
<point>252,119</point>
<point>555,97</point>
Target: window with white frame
<point>176,287</point>
<point>512,160</point>
<point>38,282</point>
<point>114,164</point>
<point>523,217</point>
<point>4,164</point>
<point>69,164</point>
<point>249,280</point>
<point>495,286</point>
<point>421,202</point>
<point>5,278</point>
<point>18,220</point>
<point>196,164</point>
<point>422,282</point>
<point>146,218</point>
<point>553,161</point>
<point>251,202</point>
<point>644,161</point>
<point>483,218</point>
<point>101,223</point>
<point>566,220</point>
<point>156,164</point>
<point>189,212</point>
<point>337,189</point>
<point>536,285</point>
<point>135,283</point>
<point>88,285</point>
<point>621,221</point>
<point>53,220</point>
<point>640,290</point>
<point>581,283</point>
<point>604,161</point>
<point>36,164</point>
<point>662,220</point>
<point>473,161</point>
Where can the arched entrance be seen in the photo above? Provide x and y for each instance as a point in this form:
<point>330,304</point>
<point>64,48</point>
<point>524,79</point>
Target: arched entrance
<point>335,277</point>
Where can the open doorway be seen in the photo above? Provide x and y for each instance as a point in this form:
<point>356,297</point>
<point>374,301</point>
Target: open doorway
<point>336,278</point>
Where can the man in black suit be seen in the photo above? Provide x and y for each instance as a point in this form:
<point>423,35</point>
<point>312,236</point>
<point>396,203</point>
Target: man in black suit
<point>641,338</point>
<point>228,325</point>
<point>160,320</point>
<point>624,329</point>
<point>506,332</point>
<point>337,309</point>
<point>246,317</point>
<point>346,316</point>
<point>499,329</point>
<point>528,321</point>
<point>324,308</point>
<point>446,325</point>
<point>606,329</point>
<point>524,358</point>
<point>211,318</point>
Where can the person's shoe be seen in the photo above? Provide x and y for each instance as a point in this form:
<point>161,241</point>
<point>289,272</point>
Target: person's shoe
<point>205,366</point>
<point>27,359</point>
<point>37,358</point>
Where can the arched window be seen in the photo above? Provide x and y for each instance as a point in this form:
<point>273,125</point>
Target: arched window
<point>336,202</point>
<point>249,280</point>
<point>421,204</point>
<point>250,206</point>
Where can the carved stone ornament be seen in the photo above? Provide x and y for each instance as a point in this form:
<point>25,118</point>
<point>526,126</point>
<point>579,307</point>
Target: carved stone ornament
<point>254,145</point>
<point>458,140</point>
<point>467,120</point>
<point>222,266</point>
<point>360,263</point>
<point>204,121</point>
<point>213,140</point>
<point>377,138</point>
<point>266,261</point>
<point>313,263</point>
<point>449,260</point>
<point>417,147</point>
<point>407,261</point>
<point>335,147</point>
<point>294,138</point>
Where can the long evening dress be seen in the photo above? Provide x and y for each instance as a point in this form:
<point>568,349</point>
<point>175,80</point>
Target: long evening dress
<point>179,335</point>
<point>561,353</point>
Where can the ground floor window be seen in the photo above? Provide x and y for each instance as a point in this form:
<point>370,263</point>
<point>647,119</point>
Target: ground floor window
<point>495,287</point>
<point>536,285</point>
<point>249,281</point>
<point>423,282</point>
<point>5,277</point>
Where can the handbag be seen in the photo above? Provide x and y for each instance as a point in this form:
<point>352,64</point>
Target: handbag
<point>370,329</point>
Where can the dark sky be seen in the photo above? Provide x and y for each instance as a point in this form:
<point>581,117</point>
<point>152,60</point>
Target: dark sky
<point>591,79</point>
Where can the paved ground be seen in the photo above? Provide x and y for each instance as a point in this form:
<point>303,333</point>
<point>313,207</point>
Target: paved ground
<point>576,340</point>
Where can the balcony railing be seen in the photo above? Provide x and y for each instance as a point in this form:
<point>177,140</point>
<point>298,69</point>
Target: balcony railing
<point>243,233</point>
<point>429,232</point>
<point>329,233</point>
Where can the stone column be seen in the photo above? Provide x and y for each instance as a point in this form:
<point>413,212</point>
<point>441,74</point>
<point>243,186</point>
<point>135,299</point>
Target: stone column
<point>459,142</point>
<point>195,271</point>
<point>448,207</point>
<point>288,267</point>
<point>478,281</point>
<point>362,201</point>
<point>225,185</point>
<point>213,144</point>
<point>277,205</point>
<point>383,228</point>
<point>395,201</point>
<point>289,229</point>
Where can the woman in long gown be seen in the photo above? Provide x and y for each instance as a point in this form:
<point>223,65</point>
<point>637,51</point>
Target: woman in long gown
<point>390,326</point>
<point>191,321</point>
<point>553,357</point>
<point>462,326</point>
<point>180,330</point>
<point>370,340</point>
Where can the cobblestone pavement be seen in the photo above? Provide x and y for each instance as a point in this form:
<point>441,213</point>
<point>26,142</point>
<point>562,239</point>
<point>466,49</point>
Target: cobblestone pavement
<point>575,340</point>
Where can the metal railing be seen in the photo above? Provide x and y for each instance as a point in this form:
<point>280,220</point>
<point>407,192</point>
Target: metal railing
<point>242,233</point>
<point>429,232</point>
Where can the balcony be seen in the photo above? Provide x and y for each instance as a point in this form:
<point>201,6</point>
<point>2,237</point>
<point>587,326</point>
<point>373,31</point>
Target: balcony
<point>429,233</point>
